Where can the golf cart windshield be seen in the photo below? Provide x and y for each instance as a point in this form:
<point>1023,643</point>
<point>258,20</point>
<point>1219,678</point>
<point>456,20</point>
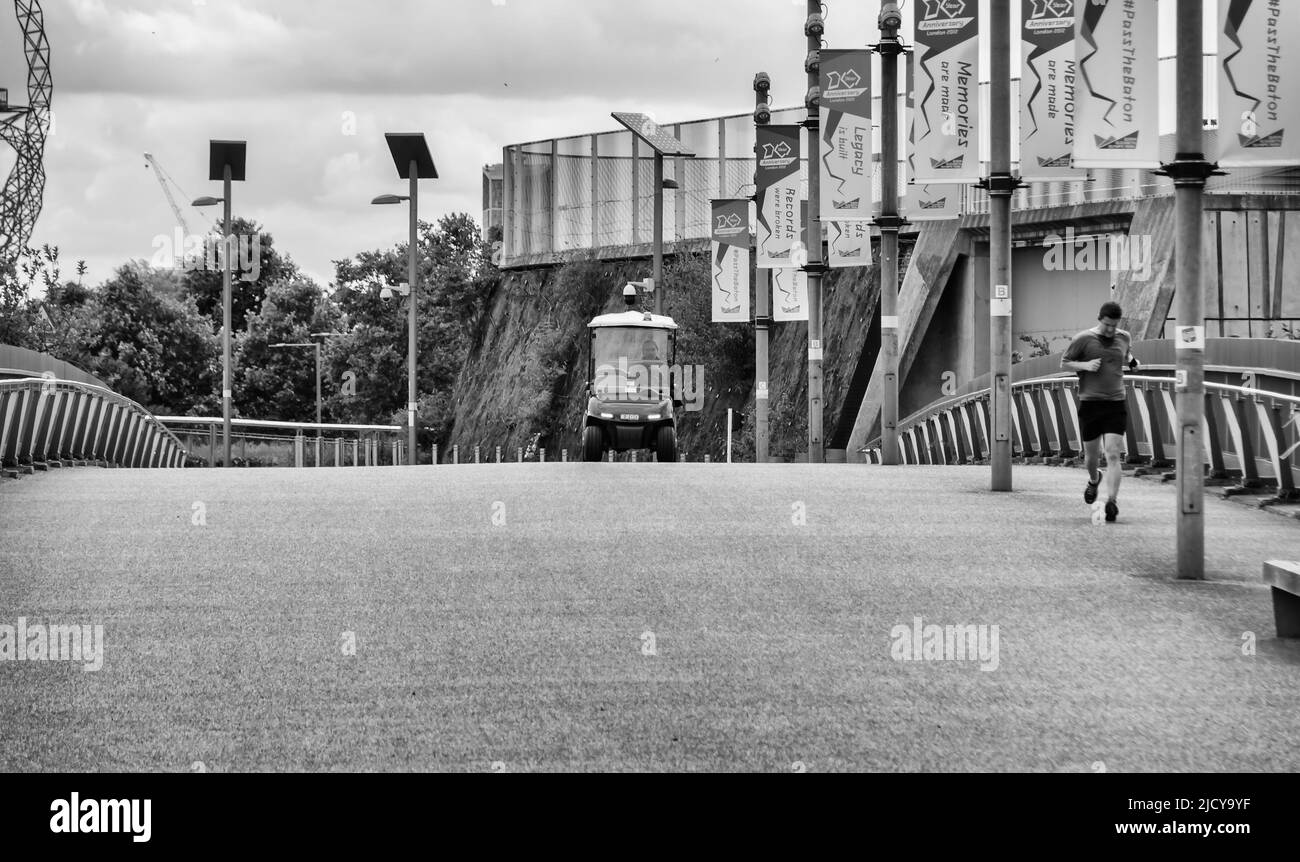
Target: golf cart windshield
<point>630,363</point>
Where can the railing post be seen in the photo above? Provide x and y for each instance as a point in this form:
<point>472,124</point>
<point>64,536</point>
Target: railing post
<point>297,449</point>
<point>212,445</point>
<point>338,451</point>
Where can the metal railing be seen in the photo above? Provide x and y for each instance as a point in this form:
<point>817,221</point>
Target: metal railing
<point>48,422</point>
<point>362,445</point>
<point>1244,429</point>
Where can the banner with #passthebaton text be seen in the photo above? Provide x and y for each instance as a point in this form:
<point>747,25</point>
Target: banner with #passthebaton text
<point>730,256</point>
<point>1115,100</point>
<point>1259,115</point>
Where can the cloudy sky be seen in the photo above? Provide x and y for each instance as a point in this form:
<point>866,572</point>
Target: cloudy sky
<point>312,85</point>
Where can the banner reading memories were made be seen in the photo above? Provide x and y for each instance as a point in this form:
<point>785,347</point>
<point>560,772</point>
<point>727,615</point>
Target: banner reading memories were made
<point>845,113</point>
<point>1257,65</point>
<point>730,256</point>
<point>945,124</point>
<point>776,180</point>
<point>1115,105</point>
<point>1047,79</point>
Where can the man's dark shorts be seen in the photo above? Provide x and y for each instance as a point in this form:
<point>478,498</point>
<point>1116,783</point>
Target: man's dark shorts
<point>1102,417</point>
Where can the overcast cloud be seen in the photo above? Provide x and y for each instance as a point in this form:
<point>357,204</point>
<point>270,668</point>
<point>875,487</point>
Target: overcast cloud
<point>290,76</point>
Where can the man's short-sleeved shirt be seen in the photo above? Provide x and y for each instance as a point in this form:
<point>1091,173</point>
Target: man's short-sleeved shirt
<point>1107,382</point>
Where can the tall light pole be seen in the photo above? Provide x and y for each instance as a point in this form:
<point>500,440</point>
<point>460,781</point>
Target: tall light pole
<point>1000,184</point>
<point>225,163</point>
<point>888,221</point>
<point>316,345</point>
<point>1189,170</point>
<point>414,162</point>
<point>813,28</point>
<point>762,287</point>
<point>663,144</point>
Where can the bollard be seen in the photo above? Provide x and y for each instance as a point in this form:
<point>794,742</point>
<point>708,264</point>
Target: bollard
<point>611,456</point>
<point>396,455</point>
<point>728,435</point>
<point>633,456</point>
<point>654,456</point>
<point>498,454</point>
<point>455,453</point>
<point>297,449</point>
<point>338,451</point>
<point>435,454</point>
<point>681,456</point>
<point>541,456</point>
<point>706,459</point>
<point>476,454</point>
<point>564,455</point>
<point>356,453</point>
<point>519,453</point>
<point>212,445</point>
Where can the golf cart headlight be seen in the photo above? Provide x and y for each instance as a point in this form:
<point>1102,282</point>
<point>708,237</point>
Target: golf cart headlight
<point>654,416</point>
<point>607,416</point>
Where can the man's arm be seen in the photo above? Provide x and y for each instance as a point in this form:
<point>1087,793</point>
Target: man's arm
<point>1070,361</point>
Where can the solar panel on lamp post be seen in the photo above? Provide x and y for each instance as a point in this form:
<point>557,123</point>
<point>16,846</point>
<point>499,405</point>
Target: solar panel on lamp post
<point>225,163</point>
<point>413,162</point>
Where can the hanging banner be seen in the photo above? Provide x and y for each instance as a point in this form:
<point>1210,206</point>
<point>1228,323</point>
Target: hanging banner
<point>849,243</point>
<point>1255,61</point>
<point>1047,78</point>
<point>789,285</point>
<point>845,112</point>
<point>931,202</point>
<point>945,125</point>
<point>789,295</point>
<point>730,256</point>
<point>777,182</point>
<point>1115,105</point>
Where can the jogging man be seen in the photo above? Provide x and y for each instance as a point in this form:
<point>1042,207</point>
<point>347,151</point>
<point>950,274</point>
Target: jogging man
<point>1099,355</point>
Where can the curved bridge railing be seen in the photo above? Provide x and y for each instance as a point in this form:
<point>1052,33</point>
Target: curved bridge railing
<point>48,422</point>
<point>1250,434</point>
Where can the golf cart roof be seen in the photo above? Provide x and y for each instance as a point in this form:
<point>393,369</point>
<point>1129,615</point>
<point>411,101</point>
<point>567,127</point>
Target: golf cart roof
<point>634,318</point>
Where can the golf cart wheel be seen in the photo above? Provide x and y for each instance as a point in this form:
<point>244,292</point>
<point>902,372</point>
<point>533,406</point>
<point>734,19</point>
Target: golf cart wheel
<point>593,444</point>
<point>666,443</point>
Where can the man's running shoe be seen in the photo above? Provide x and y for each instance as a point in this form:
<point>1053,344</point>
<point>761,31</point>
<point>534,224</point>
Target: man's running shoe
<point>1090,492</point>
<point>1112,510</point>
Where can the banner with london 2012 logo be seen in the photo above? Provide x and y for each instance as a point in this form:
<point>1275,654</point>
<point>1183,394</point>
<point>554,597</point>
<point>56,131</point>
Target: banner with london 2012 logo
<point>1115,101</point>
<point>845,114</point>
<point>1047,79</point>
<point>776,180</point>
<point>1259,120</point>
<point>730,257</point>
<point>945,125</point>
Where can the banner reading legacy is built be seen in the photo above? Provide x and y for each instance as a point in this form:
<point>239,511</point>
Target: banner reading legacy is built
<point>845,113</point>
<point>1047,79</point>
<point>1115,108</point>
<point>776,180</point>
<point>730,256</point>
<point>1259,118</point>
<point>945,125</point>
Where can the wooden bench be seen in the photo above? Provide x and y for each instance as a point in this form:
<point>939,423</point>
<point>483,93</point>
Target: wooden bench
<point>1284,577</point>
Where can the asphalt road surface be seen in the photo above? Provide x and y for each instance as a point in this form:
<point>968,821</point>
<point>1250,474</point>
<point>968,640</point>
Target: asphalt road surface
<point>636,617</point>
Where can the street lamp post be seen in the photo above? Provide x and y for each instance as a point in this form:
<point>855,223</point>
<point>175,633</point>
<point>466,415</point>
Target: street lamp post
<point>225,163</point>
<point>316,345</point>
<point>414,162</point>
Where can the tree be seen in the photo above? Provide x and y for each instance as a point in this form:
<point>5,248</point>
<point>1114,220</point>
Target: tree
<point>456,276</point>
<point>256,256</point>
<point>280,383</point>
<point>21,322</point>
<point>148,345</point>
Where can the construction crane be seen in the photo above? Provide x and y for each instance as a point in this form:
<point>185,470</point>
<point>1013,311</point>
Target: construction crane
<point>160,174</point>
